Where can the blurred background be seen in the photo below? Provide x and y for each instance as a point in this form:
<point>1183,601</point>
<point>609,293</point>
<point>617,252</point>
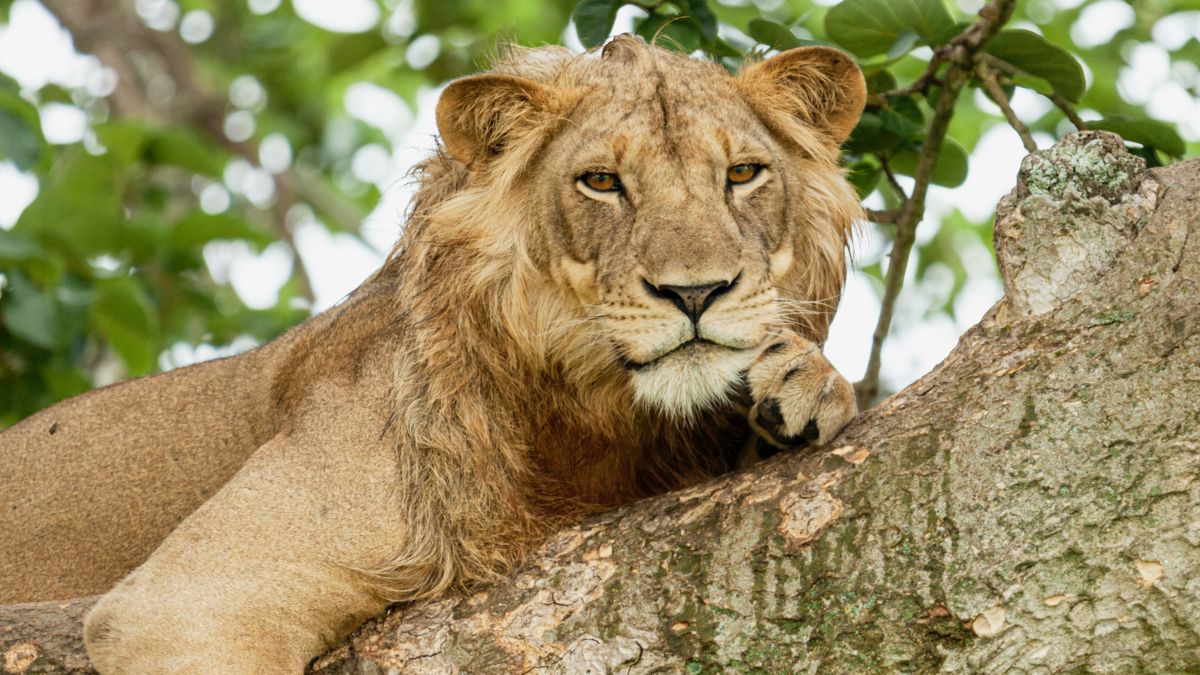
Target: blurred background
<point>185,179</point>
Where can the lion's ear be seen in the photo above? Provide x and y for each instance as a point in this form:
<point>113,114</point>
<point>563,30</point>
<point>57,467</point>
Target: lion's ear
<point>821,86</point>
<point>477,115</point>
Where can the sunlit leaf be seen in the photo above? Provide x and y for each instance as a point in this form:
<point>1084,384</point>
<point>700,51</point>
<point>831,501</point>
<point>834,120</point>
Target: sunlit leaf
<point>1143,130</point>
<point>1031,53</point>
<point>870,27</point>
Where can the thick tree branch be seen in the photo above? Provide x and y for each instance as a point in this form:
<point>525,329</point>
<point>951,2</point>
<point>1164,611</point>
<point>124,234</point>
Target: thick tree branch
<point>962,53</point>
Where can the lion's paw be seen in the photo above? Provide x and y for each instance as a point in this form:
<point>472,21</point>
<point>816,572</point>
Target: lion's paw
<point>799,398</point>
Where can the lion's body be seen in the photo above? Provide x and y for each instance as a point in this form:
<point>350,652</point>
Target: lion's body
<point>532,351</point>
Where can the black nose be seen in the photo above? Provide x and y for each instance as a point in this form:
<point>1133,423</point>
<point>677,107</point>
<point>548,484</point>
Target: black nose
<point>691,300</point>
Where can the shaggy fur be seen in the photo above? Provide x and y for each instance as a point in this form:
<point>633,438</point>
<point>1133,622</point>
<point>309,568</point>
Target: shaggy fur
<point>518,362</point>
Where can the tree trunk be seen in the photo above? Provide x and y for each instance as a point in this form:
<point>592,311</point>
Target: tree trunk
<point>1033,504</point>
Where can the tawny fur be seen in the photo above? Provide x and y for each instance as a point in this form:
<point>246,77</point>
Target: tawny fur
<point>505,371</point>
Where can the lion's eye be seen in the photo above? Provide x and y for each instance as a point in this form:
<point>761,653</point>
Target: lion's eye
<point>601,181</point>
<point>742,173</point>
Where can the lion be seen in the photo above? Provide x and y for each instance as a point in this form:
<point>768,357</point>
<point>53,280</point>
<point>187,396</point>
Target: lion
<point>614,281</point>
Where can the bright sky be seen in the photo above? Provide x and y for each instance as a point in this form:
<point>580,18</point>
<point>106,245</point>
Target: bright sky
<point>35,50</point>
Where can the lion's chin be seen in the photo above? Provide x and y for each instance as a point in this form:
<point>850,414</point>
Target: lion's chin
<point>691,379</point>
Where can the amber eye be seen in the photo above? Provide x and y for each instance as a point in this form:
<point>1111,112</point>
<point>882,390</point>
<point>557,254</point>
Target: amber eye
<point>742,173</point>
<point>601,181</point>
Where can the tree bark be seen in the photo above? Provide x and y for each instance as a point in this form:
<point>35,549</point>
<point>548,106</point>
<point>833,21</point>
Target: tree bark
<point>1032,505</point>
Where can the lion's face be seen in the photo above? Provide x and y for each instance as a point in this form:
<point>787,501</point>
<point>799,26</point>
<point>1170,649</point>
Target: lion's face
<point>683,226</point>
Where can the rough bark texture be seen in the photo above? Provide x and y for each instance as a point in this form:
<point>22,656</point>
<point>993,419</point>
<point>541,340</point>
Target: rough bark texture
<point>1032,505</point>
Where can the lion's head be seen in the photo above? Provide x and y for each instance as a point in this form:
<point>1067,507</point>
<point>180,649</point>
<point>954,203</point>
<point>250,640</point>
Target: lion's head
<point>654,218</point>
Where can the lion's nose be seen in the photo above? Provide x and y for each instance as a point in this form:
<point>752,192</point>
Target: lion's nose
<point>691,300</point>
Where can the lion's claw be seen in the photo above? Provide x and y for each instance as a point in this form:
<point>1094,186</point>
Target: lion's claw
<point>800,400</point>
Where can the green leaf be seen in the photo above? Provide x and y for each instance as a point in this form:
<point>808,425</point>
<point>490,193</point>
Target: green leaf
<point>198,228</point>
<point>1033,54</point>
<point>773,35</point>
<point>125,140</point>
<point>703,14</point>
<point>722,48</point>
<point>673,32</point>
<point>31,313</point>
<point>864,176</point>
<point>594,20</point>
<point>870,136</point>
<point>903,44</point>
<point>21,137</point>
<point>181,147</point>
<point>124,315</point>
<point>1143,130</point>
<point>870,27</point>
<point>880,81</point>
<point>900,121</point>
<point>949,170</point>
<point>79,205</point>
<point>1033,82</point>
<point>64,381</point>
<point>15,246</point>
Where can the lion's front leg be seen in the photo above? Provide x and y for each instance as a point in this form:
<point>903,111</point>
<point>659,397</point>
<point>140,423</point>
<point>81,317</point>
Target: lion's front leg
<point>799,399</point>
<point>263,577</point>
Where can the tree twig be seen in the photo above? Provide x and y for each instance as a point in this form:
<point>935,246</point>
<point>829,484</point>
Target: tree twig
<point>884,217</point>
<point>1057,99</point>
<point>891,178</point>
<point>963,54</point>
<point>919,86</point>
<point>988,77</point>
<point>1069,110</point>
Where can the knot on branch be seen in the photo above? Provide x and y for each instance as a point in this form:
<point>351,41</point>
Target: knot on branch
<point>1076,206</point>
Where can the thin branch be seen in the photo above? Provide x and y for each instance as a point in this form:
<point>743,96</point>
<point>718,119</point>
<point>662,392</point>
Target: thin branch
<point>1069,110</point>
<point>919,86</point>
<point>988,77</point>
<point>1061,103</point>
<point>963,54</point>
<point>882,217</point>
<point>891,178</point>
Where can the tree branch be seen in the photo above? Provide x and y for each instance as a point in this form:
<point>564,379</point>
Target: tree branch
<point>996,93</point>
<point>883,217</point>
<point>1061,103</point>
<point>962,53</point>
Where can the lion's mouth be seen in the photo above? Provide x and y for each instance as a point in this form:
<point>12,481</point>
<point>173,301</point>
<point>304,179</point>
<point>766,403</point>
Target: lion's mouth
<point>695,346</point>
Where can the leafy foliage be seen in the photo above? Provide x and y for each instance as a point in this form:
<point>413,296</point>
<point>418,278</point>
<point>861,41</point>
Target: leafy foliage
<point>106,269</point>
